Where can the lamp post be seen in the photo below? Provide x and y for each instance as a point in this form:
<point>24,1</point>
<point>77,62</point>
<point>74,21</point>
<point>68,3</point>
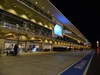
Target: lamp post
<point>97,43</point>
<point>97,48</point>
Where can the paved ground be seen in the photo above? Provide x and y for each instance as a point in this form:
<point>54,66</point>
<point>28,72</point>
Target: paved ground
<point>94,68</point>
<point>38,64</point>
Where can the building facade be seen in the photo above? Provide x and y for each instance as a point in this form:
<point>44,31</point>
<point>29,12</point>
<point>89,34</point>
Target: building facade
<point>37,23</point>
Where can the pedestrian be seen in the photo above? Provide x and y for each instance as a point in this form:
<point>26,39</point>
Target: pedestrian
<point>12,49</point>
<point>15,49</point>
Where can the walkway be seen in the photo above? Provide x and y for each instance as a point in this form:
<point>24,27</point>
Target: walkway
<point>38,64</point>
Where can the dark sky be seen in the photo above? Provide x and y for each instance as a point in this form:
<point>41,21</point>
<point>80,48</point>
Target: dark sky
<point>84,15</point>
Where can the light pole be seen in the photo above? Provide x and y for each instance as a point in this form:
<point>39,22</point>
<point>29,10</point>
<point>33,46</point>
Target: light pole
<point>97,48</point>
<point>97,43</point>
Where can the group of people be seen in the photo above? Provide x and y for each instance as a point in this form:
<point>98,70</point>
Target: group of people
<point>14,50</point>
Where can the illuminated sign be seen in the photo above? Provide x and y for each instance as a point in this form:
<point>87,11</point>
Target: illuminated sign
<point>58,30</point>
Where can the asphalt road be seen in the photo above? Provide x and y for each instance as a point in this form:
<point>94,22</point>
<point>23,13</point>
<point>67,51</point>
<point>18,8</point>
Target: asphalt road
<point>94,68</point>
<point>38,64</point>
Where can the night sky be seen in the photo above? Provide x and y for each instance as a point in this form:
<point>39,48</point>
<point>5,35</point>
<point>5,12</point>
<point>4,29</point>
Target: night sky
<point>84,15</point>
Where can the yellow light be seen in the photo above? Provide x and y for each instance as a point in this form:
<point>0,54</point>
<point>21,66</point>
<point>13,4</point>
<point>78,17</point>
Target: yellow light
<point>36,2</point>
<point>46,26</point>
<point>50,27</point>
<point>40,23</point>
<point>32,38</point>
<point>50,42</point>
<point>12,11</point>
<point>55,42</point>
<point>46,41</point>
<point>8,34</point>
<point>1,7</point>
<point>33,20</point>
<point>24,16</point>
<point>78,41</point>
<point>58,43</point>
<point>97,41</point>
<point>23,37</point>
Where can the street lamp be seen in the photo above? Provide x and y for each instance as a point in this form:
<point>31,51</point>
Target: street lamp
<point>97,43</point>
<point>98,50</point>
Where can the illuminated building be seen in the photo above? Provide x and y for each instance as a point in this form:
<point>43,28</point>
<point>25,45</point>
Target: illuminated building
<point>32,22</point>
